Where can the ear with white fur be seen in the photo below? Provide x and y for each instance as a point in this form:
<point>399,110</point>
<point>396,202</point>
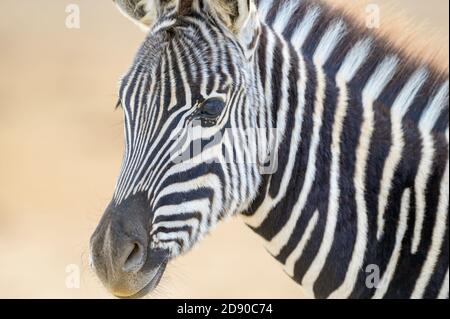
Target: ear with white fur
<point>144,12</point>
<point>241,18</point>
<point>233,13</point>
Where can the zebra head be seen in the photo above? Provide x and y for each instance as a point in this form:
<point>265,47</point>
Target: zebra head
<point>190,108</point>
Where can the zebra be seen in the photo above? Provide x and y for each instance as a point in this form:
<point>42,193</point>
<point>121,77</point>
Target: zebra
<point>360,142</point>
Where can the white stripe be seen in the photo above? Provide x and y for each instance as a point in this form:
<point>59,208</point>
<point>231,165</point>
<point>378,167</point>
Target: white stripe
<point>304,28</point>
<point>264,8</point>
<point>284,15</point>
<point>393,261</point>
<point>172,84</point>
<point>350,66</point>
<point>137,81</point>
<point>179,235</point>
<point>298,251</point>
<point>399,109</point>
<point>198,205</point>
<point>436,241</point>
<point>184,79</point>
<point>354,60</point>
<point>426,125</point>
<point>270,70</point>
<point>193,223</point>
<point>329,40</point>
<point>434,109</point>
<point>420,185</point>
<point>408,93</point>
<point>372,90</point>
<point>443,293</point>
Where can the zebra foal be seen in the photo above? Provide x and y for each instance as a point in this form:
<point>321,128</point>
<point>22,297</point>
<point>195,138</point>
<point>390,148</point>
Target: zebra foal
<point>355,134</point>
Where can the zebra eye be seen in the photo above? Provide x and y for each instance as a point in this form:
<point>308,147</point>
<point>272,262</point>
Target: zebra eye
<point>212,108</point>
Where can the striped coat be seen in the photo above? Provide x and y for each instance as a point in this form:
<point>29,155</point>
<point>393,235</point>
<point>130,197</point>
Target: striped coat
<point>364,183</point>
<point>358,204</point>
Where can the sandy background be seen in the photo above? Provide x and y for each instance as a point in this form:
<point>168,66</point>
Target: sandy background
<point>60,151</point>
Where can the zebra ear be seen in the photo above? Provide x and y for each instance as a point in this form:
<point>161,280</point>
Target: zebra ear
<point>137,11</point>
<point>235,14</point>
<point>241,18</point>
<point>144,12</point>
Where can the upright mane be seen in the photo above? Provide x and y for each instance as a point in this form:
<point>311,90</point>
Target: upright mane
<point>286,17</point>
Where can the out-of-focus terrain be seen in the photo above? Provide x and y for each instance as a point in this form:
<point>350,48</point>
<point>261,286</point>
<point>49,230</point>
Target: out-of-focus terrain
<point>61,147</point>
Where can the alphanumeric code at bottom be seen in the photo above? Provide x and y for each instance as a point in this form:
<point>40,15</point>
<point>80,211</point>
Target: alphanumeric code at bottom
<point>225,309</point>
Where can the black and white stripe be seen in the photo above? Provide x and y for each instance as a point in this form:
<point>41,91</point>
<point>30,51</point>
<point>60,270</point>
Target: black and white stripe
<point>361,143</point>
<point>289,239</point>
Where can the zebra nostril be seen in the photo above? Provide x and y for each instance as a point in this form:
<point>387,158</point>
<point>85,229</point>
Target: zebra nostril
<point>135,259</point>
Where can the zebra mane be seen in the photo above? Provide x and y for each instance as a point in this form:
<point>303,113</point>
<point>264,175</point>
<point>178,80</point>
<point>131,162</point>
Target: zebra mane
<point>285,16</point>
<point>313,17</point>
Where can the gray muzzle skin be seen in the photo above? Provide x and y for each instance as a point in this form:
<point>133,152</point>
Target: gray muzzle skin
<point>120,249</point>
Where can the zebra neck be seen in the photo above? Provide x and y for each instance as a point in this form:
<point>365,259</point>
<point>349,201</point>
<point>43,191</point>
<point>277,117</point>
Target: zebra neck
<point>288,82</point>
<point>355,124</point>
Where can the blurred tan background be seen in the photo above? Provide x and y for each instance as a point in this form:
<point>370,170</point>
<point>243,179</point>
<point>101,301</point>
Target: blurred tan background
<point>61,147</point>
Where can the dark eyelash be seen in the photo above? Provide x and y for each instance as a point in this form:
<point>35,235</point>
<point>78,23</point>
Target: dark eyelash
<point>118,104</point>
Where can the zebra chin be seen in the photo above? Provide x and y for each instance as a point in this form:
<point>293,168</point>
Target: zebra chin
<point>121,252</point>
